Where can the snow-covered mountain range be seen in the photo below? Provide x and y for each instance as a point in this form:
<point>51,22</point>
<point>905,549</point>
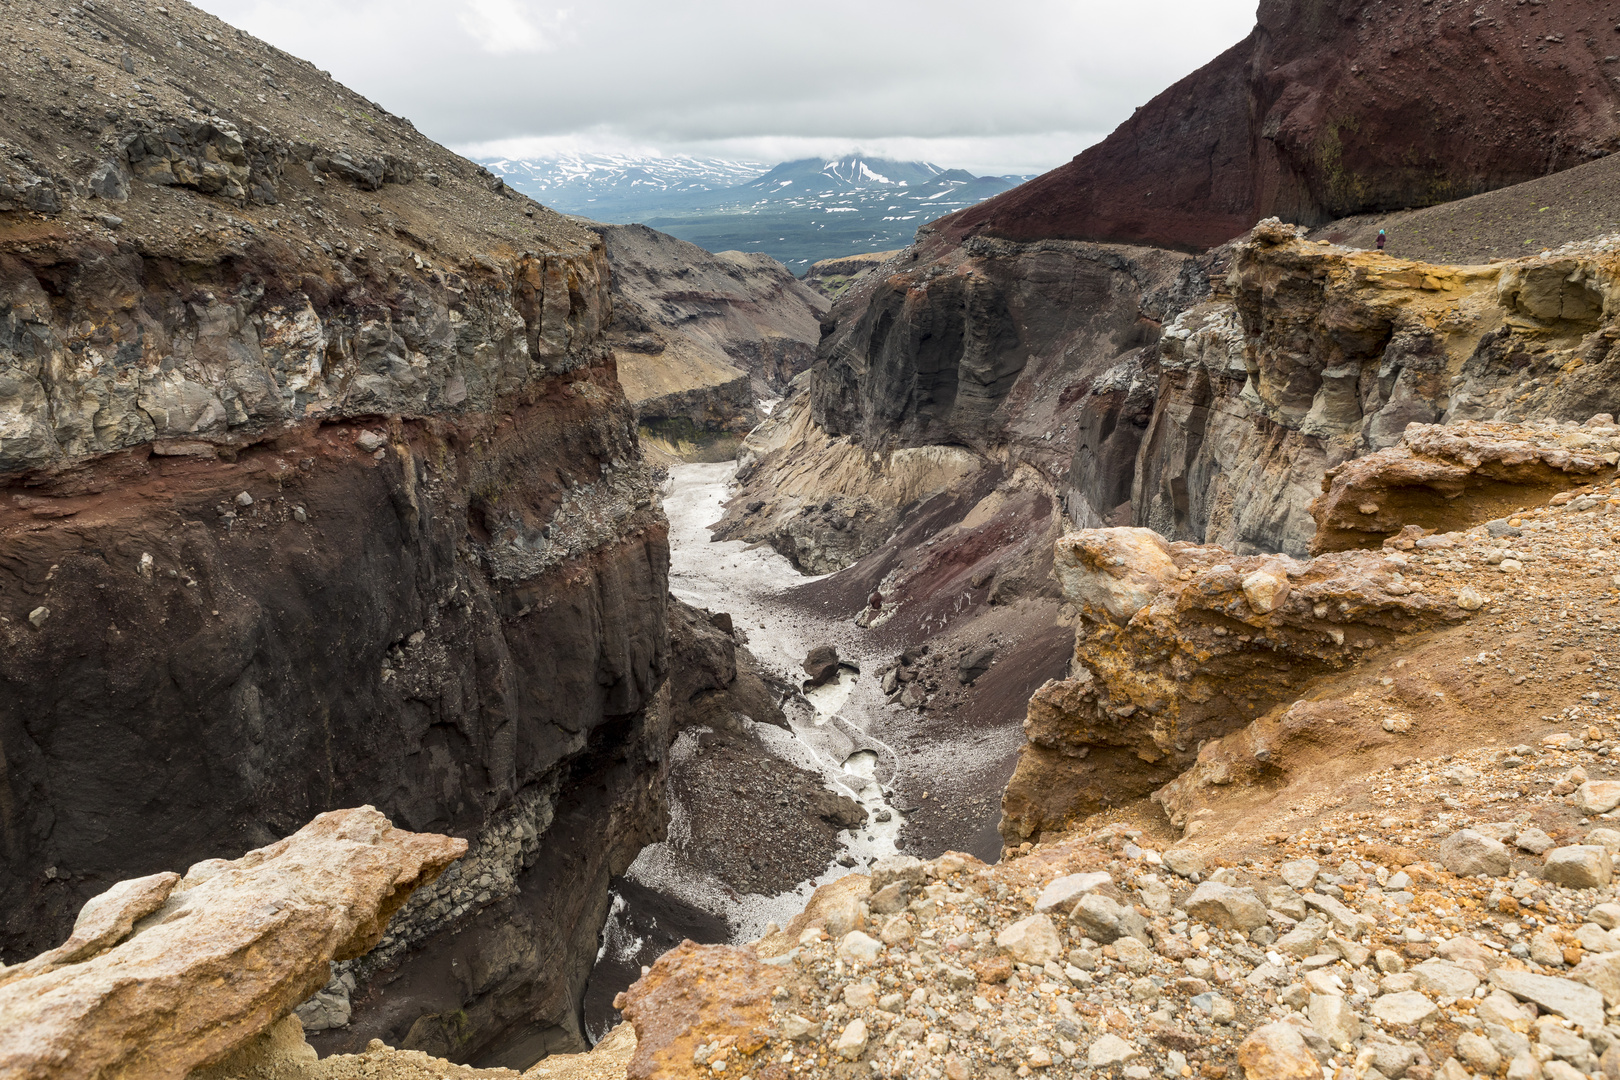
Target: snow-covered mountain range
<point>798,211</point>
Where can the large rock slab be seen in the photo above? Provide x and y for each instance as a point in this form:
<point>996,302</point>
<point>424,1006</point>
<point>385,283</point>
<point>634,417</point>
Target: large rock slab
<point>1226,907</point>
<point>1571,1000</point>
<point>696,994</point>
<point>219,955</point>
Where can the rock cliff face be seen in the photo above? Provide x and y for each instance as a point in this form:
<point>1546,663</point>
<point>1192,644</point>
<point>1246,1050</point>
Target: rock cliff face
<point>700,338</point>
<point>1327,110</point>
<point>1309,355</point>
<point>319,489</point>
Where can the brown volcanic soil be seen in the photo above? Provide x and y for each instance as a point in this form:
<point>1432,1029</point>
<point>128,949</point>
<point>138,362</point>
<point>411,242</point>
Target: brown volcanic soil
<point>1570,206</point>
<point>1330,110</point>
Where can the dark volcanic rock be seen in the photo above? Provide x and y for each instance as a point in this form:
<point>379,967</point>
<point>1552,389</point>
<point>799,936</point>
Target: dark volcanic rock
<point>821,665</point>
<point>974,664</point>
<point>1327,110</point>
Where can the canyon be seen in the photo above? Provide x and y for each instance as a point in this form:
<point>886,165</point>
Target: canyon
<point>423,611</point>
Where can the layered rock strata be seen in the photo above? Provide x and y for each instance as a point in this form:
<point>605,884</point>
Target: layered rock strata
<point>1310,355</point>
<point>700,338</point>
<point>1322,112</point>
<point>1446,478</point>
<point>319,489</point>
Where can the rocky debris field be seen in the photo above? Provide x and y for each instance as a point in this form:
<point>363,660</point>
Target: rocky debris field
<point>1474,942</point>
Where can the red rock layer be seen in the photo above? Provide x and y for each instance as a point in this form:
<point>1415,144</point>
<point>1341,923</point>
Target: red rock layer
<point>1327,110</point>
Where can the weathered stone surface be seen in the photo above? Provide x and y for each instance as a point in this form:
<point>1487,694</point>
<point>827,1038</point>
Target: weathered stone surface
<point>1597,796</point>
<point>1111,1050</point>
<point>234,946</point>
<point>1115,571</point>
<point>1445,979</point>
<point>1568,999</point>
<point>1065,891</point>
<point>1405,1007</point>
<point>1277,1052</point>
<point>1226,907</point>
<point>1031,940</point>
<point>695,994</point>
<point>1579,866</point>
<point>1424,481</point>
<point>1101,919</point>
<point>1332,1015</point>
<point>1466,852</point>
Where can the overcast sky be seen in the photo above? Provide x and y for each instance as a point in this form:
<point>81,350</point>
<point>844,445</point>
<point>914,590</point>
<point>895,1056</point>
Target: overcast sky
<point>995,87</point>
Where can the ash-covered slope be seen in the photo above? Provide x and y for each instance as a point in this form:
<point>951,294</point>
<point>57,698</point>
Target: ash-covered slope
<point>319,489</point>
<point>1327,110</point>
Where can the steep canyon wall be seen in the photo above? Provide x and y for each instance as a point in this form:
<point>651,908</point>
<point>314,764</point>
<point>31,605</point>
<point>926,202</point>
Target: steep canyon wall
<point>319,489</point>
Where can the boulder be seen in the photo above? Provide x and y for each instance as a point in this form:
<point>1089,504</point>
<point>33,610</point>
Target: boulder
<point>1569,999</point>
<point>1406,1007</point>
<point>1300,873</point>
<point>1466,853</point>
<point>851,1043</point>
<point>1579,866</point>
<point>1332,1015</point>
<point>1101,919</point>
<point>220,956</point>
<point>1112,1050</point>
<point>1118,570</point>
<point>1031,941</point>
<point>859,947</point>
<point>1277,1052</point>
<point>1597,796</point>
<point>1064,891</point>
<point>1445,979</point>
<point>1226,907</point>
<point>1183,861</point>
<point>1601,973</point>
<point>820,666</point>
<point>975,663</point>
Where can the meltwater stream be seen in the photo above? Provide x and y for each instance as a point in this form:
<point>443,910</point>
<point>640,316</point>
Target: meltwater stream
<point>835,741</point>
<point>832,738</point>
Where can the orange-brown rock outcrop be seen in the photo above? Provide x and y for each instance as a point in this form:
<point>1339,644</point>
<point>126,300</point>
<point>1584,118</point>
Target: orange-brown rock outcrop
<point>1180,644</point>
<point>1447,477</point>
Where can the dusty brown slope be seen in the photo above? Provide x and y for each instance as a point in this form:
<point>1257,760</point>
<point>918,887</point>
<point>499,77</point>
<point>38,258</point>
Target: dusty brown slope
<point>1549,212</point>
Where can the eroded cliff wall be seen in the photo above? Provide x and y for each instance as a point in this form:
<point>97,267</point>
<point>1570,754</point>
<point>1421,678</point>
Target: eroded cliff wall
<point>319,490</point>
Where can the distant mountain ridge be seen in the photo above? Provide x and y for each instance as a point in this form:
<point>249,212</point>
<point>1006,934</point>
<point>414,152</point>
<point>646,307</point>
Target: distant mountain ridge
<point>799,212</point>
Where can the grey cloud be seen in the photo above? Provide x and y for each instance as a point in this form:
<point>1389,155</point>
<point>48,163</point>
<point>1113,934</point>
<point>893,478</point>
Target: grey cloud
<point>679,77</point>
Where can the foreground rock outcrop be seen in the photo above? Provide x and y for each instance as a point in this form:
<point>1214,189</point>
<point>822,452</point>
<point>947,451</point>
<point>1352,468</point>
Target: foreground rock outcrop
<point>1446,478</point>
<point>1180,644</point>
<point>1323,112</point>
<point>319,489</point>
<point>165,974</point>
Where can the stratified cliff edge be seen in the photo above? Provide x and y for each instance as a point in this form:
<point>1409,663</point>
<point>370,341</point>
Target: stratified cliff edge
<point>319,489</point>
<point>1332,109</point>
<point>699,338</point>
